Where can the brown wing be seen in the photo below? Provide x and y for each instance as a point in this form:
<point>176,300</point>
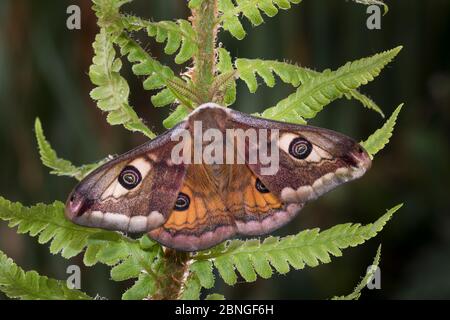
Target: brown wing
<point>329,158</point>
<point>134,192</point>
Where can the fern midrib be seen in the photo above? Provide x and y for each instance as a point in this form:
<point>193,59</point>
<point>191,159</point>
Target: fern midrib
<point>313,243</point>
<point>75,228</point>
<point>337,78</point>
<point>20,287</point>
<point>302,74</point>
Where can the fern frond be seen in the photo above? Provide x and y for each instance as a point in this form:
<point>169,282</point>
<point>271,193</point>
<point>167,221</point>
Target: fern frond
<point>143,288</point>
<point>194,4</point>
<point>380,138</point>
<point>175,117</point>
<point>108,16</point>
<point>365,280</point>
<point>365,101</point>
<point>47,222</point>
<point>215,296</point>
<point>253,258</point>
<point>192,288</point>
<point>315,93</point>
<point>60,166</point>
<point>375,2</point>
<point>251,9</point>
<point>225,66</point>
<point>204,271</point>
<point>130,258</point>
<point>16,283</point>
<point>177,36</point>
<point>158,75</point>
<point>290,74</point>
<point>141,263</point>
<point>112,89</point>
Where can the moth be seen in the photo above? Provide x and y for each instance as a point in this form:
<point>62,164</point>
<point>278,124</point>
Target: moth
<point>192,206</point>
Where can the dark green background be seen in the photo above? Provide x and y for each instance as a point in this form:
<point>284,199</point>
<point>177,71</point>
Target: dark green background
<point>43,73</point>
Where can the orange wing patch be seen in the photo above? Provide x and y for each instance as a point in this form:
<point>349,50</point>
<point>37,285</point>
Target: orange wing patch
<point>221,202</point>
<point>259,202</point>
<point>244,197</point>
<point>199,213</point>
<point>203,222</point>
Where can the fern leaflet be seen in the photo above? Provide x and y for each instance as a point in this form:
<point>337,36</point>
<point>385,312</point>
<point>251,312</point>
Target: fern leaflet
<point>290,74</point>
<point>308,248</point>
<point>112,89</point>
<point>380,138</point>
<point>365,280</point>
<point>178,36</point>
<point>16,283</point>
<point>60,166</point>
<point>315,93</point>
<point>251,9</point>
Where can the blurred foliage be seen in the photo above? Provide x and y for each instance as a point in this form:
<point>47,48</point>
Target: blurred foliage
<point>43,71</point>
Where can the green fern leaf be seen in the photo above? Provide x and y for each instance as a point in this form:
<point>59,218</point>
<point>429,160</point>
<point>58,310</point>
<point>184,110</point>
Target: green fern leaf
<point>177,116</point>
<point>374,2</point>
<point>178,36</point>
<point>380,138</point>
<point>315,93</point>
<point>215,296</point>
<point>60,166</point>
<point>163,98</point>
<point>365,280</point>
<point>47,222</point>
<point>16,283</point>
<point>158,75</point>
<point>130,258</point>
<point>126,270</point>
<point>251,9</point>
<point>112,89</point>
<point>225,66</point>
<point>290,74</point>
<point>143,288</point>
<point>203,270</point>
<point>192,288</point>
<point>194,4</point>
<point>107,12</point>
<point>307,248</point>
<point>365,101</point>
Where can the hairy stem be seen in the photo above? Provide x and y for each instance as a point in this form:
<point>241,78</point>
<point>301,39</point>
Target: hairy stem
<point>204,21</point>
<point>172,280</point>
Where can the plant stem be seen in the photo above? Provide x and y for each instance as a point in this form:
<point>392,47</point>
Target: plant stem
<point>172,280</point>
<point>204,22</point>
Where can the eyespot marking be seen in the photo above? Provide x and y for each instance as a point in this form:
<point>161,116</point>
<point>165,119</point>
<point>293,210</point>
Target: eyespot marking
<point>260,186</point>
<point>130,177</point>
<point>300,148</point>
<point>183,202</point>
